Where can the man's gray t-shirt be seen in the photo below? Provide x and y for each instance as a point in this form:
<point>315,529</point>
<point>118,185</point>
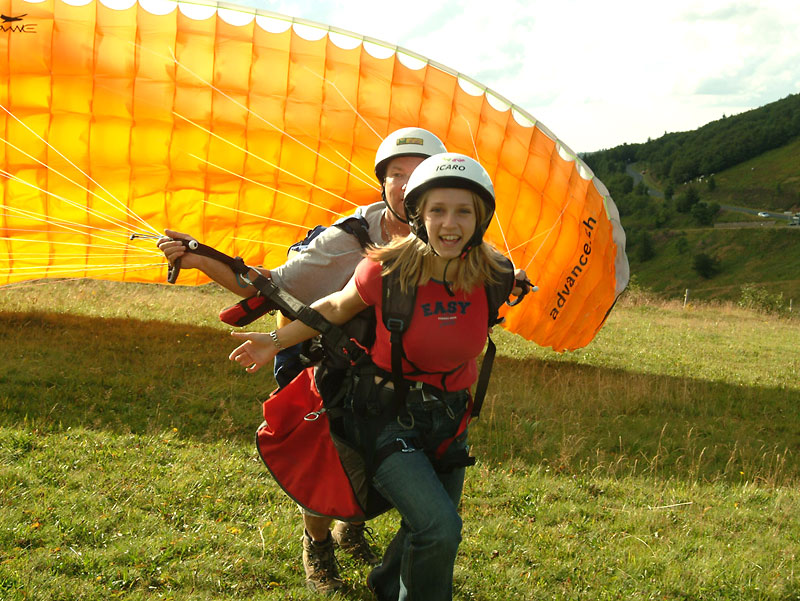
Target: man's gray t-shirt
<point>329,261</point>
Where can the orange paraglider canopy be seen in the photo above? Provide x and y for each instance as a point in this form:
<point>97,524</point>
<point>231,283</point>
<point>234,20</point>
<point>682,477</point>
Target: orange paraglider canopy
<point>246,129</point>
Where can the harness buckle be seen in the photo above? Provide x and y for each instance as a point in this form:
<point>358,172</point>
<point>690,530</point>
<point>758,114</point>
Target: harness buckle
<point>405,446</point>
<point>393,324</point>
<point>315,415</point>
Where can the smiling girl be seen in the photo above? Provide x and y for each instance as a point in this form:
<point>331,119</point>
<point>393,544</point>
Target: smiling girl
<point>450,202</point>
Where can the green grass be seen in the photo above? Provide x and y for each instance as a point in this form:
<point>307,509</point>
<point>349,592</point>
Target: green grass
<point>660,462</point>
<point>770,181</point>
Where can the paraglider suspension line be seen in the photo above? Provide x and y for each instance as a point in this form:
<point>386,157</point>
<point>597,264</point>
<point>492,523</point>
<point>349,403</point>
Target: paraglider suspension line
<point>134,236</point>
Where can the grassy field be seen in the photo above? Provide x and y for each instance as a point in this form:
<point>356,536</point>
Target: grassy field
<point>660,462</point>
<point>768,257</point>
<point>770,181</point>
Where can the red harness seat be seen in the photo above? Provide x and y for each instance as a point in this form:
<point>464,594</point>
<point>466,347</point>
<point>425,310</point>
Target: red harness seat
<point>295,444</point>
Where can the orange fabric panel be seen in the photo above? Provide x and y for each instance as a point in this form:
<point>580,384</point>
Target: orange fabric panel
<point>123,121</point>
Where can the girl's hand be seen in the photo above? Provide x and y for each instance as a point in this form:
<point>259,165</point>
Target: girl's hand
<point>256,351</point>
<point>522,286</point>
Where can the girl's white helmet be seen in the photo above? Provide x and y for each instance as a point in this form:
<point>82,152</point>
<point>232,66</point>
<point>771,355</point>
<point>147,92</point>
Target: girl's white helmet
<point>449,170</point>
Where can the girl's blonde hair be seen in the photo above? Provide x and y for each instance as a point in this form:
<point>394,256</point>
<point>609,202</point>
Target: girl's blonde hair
<point>414,259</point>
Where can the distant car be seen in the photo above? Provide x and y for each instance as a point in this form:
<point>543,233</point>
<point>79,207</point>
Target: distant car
<point>763,214</point>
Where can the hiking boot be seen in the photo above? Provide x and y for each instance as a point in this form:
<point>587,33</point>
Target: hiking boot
<point>351,539</point>
<point>322,573</point>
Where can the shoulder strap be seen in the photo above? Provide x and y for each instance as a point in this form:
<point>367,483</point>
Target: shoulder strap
<point>397,310</point>
<point>496,295</point>
<point>357,226</point>
<point>301,245</point>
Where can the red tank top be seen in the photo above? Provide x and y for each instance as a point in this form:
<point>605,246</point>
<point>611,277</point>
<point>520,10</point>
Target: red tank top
<point>447,333</point>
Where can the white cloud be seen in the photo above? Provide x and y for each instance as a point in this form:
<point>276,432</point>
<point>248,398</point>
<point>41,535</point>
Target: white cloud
<point>597,74</point>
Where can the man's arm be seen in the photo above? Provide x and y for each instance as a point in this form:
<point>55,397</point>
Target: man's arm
<point>324,267</point>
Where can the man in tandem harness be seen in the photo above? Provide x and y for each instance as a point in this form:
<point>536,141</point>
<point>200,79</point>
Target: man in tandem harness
<point>396,432</point>
<point>325,267</point>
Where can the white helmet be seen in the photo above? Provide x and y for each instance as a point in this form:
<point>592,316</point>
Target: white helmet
<point>406,142</point>
<point>449,170</point>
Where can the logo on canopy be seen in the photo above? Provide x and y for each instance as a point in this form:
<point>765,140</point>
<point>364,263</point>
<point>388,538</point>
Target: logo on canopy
<point>15,24</point>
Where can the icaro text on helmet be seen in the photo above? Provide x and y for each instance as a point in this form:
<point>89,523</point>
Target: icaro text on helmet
<point>406,142</point>
<point>449,170</point>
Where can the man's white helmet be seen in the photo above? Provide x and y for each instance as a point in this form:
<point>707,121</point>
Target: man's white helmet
<point>449,170</point>
<point>406,142</point>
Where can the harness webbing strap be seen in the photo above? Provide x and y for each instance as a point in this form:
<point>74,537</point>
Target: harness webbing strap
<point>468,415</point>
<point>398,308</point>
<point>237,264</point>
<point>483,378</point>
<point>400,384</point>
<point>281,299</point>
<point>293,308</point>
<point>357,227</point>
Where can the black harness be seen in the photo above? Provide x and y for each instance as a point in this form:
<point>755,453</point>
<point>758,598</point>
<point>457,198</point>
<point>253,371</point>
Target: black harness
<point>345,351</point>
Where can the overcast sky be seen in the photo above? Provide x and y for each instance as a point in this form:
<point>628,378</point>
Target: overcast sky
<point>597,74</point>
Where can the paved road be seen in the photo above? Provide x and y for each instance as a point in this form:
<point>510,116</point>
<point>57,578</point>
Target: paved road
<point>638,177</point>
<point>749,211</point>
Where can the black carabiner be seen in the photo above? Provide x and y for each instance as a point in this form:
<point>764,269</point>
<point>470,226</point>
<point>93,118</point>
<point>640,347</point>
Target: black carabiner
<point>175,268</point>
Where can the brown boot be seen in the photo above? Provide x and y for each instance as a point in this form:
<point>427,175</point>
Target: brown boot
<point>322,573</point>
<point>351,539</point>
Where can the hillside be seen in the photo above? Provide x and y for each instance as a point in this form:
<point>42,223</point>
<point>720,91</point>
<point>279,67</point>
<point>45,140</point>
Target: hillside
<point>767,256</point>
<point>770,181</point>
<point>659,462</point>
<point>671,223</point>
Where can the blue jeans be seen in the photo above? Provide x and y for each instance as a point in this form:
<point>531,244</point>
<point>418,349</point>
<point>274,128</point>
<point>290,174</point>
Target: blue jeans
<point>418,563</point>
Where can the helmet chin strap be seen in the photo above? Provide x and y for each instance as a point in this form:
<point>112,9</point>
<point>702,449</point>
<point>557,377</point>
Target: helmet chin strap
<point>445,283</point>
<point>472,243</point>
<point>388,206</point>
<point>467,247</point>
<point>444,278</point>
